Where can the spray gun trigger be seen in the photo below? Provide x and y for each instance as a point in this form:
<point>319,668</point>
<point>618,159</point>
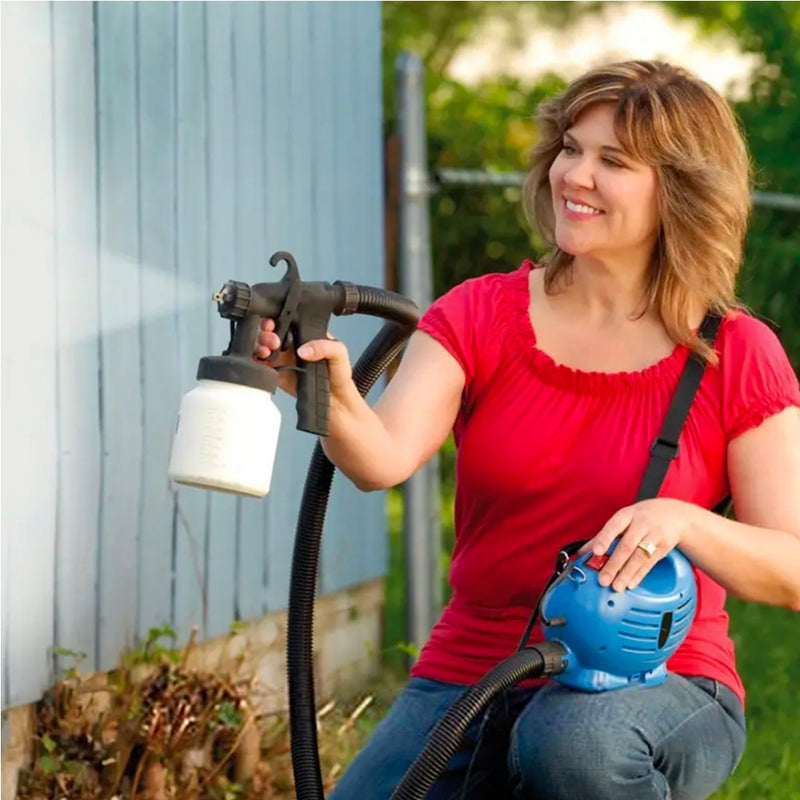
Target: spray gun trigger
<point>287,341</point>
<point>288,315</point>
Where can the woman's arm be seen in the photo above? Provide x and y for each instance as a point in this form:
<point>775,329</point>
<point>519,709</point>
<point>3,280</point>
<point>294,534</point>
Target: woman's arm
<point>755,557</point>
<point>382,446</point>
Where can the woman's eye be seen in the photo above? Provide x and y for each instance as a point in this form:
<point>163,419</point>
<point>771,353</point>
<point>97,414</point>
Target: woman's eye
<point>611,163</point>
<point>568,149</point>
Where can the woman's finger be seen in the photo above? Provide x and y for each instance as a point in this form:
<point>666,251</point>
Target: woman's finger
<point>647,565</point>
<point>267,342</point>
<point>627,558</point>
<point>320,349</point>
<point>639,563</point>
<point>272,340</point>
<point>266,347</point>
<point>615,527</point>
<point>335,353</point>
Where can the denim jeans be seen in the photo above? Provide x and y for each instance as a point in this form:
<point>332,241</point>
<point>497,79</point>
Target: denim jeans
<point>677,741</point>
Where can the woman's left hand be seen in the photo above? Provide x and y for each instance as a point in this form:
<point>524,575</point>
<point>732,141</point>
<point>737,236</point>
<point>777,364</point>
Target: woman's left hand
<point>647,531</point>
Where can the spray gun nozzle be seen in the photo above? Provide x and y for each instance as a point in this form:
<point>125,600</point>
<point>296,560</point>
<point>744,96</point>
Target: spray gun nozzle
<point>233,300</point>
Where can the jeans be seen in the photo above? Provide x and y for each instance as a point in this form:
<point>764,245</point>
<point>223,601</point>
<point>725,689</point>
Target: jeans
<point>677,741</point>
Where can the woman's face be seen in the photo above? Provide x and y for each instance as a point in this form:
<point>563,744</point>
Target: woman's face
<point>604,201</point>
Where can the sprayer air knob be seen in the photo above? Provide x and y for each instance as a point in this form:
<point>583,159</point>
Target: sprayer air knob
<point>233,300</point>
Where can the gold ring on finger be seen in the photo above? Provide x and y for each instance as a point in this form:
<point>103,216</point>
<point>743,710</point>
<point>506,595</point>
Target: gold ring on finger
<point>648,547</point>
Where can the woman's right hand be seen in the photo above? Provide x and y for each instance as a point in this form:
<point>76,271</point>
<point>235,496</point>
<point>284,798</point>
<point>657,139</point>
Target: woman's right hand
<point>334,351</point>
<point>268,342</point>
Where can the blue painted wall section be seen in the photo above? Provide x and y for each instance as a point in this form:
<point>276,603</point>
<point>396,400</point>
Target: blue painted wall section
<point>150,152</point>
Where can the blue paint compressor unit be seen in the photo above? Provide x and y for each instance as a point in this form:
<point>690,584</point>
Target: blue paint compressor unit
<point>615,639</point>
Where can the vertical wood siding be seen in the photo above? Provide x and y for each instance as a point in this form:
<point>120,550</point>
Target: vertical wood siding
<point>30,379</point>
<point>78,323</point>
<point>356,544</point>
<point>151,151</point>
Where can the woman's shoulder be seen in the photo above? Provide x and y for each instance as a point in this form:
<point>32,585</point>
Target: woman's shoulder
<point>744,335</point>
<point>482,297</point>
<point>741,324</point>
<point>471,319</point>
<point>491,282</point>
<point>756,375</point>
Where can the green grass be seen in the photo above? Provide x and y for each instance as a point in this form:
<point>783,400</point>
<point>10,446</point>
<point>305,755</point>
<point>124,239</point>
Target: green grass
<point>768,655</point>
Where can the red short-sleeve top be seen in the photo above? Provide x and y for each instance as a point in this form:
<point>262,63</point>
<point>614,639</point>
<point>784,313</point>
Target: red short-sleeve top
<point>546,454</point>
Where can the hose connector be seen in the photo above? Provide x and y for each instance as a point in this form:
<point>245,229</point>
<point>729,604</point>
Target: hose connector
<point>352,298</point>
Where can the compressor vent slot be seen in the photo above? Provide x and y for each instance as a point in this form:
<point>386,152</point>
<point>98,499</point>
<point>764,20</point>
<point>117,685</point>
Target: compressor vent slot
<point>635,637</point>
<point>682,619</point>
<point>678,629</point>
<point>666,627</point>
<point>645,612</point>
<point>642,626</point>
<point>630,649</point>
<point>639,636</point>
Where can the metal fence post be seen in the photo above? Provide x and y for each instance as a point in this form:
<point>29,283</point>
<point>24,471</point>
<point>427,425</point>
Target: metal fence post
<point>421,518</point>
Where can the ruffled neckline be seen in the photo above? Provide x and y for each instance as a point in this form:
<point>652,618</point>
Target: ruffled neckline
<point>520,326</point>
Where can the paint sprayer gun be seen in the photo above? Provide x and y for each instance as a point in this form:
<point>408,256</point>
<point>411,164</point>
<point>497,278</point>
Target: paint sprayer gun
<point>227,431</point>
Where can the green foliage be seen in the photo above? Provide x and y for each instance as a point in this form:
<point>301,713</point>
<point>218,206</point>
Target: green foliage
<point>75,657</point>
<point>228,715</point>
<point>138,735</point>
<point>475,230</point>
<point>49,762</point>
<point>770,281</point>
<point>227,790</point>
<point>408,649</point>
<point>436,30</point>
<point>768,655</point>
<point>52,762</point>
<point>395,633</point>
<point>152,651</point>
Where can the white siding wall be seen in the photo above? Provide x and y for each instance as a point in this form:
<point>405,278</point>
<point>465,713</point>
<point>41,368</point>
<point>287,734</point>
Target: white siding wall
<point>150,152</point>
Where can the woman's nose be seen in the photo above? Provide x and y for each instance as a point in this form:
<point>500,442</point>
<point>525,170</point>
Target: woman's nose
<point>580,173</point>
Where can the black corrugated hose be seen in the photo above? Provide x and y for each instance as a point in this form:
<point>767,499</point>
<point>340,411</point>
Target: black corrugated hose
<point>382,350</point>
<point>546,658</point>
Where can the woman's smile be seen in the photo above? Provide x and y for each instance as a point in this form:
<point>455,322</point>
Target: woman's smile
<point>580,210</point>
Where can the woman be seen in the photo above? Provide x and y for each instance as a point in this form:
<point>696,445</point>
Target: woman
<point>555,380</point>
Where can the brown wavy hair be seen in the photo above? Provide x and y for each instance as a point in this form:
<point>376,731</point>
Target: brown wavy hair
<point>668,118</point>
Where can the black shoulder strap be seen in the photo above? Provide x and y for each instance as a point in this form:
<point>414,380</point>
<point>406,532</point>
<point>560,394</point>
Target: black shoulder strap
<point>665,448</point>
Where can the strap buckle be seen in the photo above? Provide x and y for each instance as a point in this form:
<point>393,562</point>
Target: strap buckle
<point>661,448</point>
